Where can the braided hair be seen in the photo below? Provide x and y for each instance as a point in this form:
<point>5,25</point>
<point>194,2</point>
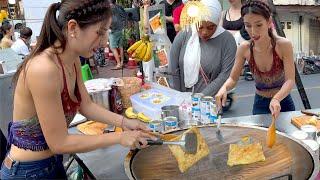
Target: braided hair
<point>85,12</point>
<point>260,8</point>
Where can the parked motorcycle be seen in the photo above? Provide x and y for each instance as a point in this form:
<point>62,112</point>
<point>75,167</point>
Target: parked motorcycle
<point>311,64</point>
<point>231,96</point>
<point>247,73</point>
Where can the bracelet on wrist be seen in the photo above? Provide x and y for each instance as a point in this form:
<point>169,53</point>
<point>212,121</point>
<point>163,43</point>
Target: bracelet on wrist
<point>122,122</point>
<point>276,99</point>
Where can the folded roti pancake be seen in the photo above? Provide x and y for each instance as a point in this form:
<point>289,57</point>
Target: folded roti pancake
<point>92,128</point>
<point>245,154</point>
<point>185,160</point>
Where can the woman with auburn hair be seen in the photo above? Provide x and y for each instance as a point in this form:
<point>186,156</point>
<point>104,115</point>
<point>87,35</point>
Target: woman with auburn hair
<point>270,60</point>
<point>7,31</point>
<point>49,91</point>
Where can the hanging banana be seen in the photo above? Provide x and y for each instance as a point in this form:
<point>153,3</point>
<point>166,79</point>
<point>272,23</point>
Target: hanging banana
<point>143,52</point>
<point>134,46</point>
<point>148,54</point>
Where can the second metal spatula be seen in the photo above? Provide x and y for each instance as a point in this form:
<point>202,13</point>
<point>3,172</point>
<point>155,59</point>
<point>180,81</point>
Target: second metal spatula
<point>271,134</point>
<point>188,142</point>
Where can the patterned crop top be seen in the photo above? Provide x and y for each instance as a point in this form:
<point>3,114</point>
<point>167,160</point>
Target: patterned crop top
<point>27,134</point>
<point>269,80</point>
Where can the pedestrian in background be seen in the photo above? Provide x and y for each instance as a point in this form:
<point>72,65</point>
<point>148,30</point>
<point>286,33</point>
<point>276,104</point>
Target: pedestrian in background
<point>170,6</point>
<point>7,30</point>
<point>232,21</point>
<point>176,16</point>
<point>17,28</point>
<point>22,44</point>
<point>119,18</point>
<point>270,60</point>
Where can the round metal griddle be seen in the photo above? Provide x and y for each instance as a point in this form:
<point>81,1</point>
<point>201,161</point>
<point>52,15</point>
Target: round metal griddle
<point>287,159</point>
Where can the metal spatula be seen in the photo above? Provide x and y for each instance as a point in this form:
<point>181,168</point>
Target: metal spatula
<point>271,134</point>
<point>218,132</point>
<point>188,142</point>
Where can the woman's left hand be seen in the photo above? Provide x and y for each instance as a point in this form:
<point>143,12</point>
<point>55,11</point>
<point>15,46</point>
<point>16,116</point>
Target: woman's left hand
<point>133,124</point>
<point>275,107</point>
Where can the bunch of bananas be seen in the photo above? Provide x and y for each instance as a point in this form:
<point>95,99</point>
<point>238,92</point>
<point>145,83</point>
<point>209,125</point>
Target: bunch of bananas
<point>132,115</point>
<point>142,49</point>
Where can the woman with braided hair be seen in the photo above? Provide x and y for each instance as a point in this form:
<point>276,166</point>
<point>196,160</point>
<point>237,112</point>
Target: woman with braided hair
<point>49,91</point>
<point>270,60</point>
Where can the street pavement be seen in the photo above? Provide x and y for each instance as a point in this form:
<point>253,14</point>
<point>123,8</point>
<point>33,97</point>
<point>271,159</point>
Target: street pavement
<point>245,91</point>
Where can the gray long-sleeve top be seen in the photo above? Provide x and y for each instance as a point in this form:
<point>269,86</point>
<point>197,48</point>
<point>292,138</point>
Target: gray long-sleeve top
<point>217,59</point>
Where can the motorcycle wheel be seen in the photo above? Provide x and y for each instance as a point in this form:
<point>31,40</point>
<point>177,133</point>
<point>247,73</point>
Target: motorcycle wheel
<point>248,78</point>
<point>306,71</point>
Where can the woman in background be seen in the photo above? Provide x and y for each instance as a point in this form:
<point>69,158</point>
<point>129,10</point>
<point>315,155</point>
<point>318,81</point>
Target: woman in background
<point>201,60</point>
<point>270,60</point>
<point>22,45</point>
<point>232,21</point>
<point>7,31</point>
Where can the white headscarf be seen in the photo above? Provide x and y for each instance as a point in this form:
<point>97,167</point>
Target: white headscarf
<point>192,54</point>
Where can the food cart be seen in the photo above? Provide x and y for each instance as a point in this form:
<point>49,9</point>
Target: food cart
<point>117,162</point>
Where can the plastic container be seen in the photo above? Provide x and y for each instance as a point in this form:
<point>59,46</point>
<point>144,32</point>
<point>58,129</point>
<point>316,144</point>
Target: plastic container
<point>150,102</point>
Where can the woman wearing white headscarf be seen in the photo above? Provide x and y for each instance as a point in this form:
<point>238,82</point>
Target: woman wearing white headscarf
<point>201,60</point>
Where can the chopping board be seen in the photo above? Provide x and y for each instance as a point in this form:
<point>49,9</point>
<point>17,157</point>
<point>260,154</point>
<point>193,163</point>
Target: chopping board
<point>299,121</point>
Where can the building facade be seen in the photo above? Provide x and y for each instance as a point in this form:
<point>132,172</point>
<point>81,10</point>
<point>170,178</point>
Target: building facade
<point>300,20</point>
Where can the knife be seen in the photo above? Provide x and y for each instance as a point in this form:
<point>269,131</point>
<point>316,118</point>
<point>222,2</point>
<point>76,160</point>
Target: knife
<point>310,113</point>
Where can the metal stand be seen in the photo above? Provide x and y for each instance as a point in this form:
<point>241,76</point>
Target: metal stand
<point>3,145</point>
<point>280,32</point>
<point>85,169</point>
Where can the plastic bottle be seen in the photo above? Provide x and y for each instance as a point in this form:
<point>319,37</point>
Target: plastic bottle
<point>140,76</point>
<point>116,105</point>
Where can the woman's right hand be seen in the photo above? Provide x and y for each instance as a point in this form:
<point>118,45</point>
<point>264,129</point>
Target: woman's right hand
<point>221,97</point>
<point>133,139</point>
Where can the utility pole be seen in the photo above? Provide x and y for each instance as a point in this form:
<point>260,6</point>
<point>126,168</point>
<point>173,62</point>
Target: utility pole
<point>280,32</point>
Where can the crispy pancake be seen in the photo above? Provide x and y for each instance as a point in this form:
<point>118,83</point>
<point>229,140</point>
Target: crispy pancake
<point>92,128</point>
<point>245,154</point>
<point>185,160</point>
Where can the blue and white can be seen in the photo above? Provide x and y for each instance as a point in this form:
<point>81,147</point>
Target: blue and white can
<point>156,126</point>
<point>213,112</point>
<point>205,109</point>
<point>196,100</point>
<point>170,122</point>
